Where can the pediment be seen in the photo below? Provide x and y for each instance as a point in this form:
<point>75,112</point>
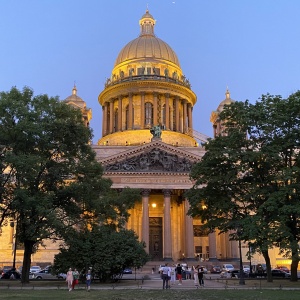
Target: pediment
<point>155,157</point>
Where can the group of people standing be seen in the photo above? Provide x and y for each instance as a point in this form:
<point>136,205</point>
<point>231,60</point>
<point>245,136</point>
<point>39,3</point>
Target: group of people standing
<point>171,274</point>
<point>72,279</point>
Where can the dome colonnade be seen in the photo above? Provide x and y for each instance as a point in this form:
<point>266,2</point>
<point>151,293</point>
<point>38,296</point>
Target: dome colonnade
<point>146,88</point>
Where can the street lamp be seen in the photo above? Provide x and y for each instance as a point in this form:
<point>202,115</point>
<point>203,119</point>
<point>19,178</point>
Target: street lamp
<point>12,224</point>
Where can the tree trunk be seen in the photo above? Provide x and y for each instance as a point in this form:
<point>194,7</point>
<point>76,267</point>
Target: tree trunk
<point>294,265</point>
<point>28,250</point>
<point>268,265</point>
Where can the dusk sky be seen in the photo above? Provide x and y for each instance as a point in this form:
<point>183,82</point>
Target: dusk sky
<point>251,46</point>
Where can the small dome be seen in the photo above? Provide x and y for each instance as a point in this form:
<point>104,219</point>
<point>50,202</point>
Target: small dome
<point>75,100</point>
<point>147,45</point>
<point>226,101</point>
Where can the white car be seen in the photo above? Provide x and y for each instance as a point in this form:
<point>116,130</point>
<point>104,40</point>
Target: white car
<point>228,267</point>
<point>246,268</point>
<point>35,269</point>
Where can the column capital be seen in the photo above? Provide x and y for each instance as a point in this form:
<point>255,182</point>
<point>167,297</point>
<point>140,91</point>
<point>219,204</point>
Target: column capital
<point>146,192</point>
<point>167,193</point>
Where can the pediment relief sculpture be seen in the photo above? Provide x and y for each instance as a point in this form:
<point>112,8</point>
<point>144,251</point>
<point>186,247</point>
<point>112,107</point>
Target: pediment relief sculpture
<point>155,160</point>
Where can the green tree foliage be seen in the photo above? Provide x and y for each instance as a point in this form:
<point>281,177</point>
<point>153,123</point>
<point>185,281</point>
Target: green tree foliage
<point>50,179</point>
<point>104,249</point>
<point>249,179</point>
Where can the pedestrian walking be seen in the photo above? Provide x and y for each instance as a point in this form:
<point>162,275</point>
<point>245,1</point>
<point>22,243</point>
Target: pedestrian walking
<point>195,273</point>
<point>201,276</point>
<point>173,275</point>
<point>69,279</point>
<point>75,278</point>
<point>179,274</point>
<point>165,276</point>
<point>88,280</point>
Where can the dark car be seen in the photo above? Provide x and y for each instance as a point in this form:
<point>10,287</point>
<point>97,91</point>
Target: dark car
<point>236,274</point>
<point>215,269</point>
<point>278,273</point>
<point>127,271</point>
<point>11,274</point>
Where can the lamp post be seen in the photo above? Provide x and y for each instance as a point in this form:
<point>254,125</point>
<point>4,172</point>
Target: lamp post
<point>12,224</point>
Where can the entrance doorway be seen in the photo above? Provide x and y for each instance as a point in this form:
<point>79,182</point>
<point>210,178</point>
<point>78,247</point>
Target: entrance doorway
<point>155,238</point>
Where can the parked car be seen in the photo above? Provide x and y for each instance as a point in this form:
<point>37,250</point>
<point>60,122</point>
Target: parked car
<point>236,274</point>
<point>215,269</point>
<point>246,268</point>
<point>285,269</point>
<point>10,274</point>
<point>127,271</point>
<point>227,267</point>
<point>62,276</point>
<point>35,269</point>
<point>279,273</point>
<point>44,274</point>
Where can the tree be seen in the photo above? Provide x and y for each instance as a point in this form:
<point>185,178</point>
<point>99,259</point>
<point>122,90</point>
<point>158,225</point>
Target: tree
<point>50,179</point>
<point>104,249</point>
<point>249,178</point>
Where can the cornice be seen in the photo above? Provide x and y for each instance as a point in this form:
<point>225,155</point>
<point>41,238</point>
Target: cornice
<point>157,144</point>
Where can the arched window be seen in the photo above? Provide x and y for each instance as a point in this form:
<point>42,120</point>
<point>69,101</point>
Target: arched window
<point>108,120</point>
<point>148,114</point>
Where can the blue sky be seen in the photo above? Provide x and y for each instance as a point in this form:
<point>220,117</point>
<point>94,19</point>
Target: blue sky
<point>251,46</point>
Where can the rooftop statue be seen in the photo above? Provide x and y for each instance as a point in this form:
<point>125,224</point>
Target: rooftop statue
<point>156,131</point>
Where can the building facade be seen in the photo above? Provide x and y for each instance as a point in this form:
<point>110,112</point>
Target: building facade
<point>148,142</point>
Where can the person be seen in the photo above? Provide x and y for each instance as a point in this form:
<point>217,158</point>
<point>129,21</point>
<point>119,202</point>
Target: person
<point>88,278</point>
<point>201,276</point>
<point>195,272</point>
<point>69,279</point>
<point>165,276</point>
<point>179,274</point>
<point>173,275</point>
<point>75,278</point>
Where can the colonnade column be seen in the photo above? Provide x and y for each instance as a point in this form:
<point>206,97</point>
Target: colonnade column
<point>167,96</point>
<point>111,116</point>
<point>177,113</point>
<point>142,110</point>
<point>212,243</point>
<point>120,113</point>
<point>190,120</point>
<point>189,233</point>
<point>104,121</point>
<point>145,218</point>
<point>130,112</point>
<point>154,109</point>
<point>184,116</point>
<point>167,226</point>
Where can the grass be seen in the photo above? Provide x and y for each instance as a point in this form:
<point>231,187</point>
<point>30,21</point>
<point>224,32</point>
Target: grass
<point>152,290</point>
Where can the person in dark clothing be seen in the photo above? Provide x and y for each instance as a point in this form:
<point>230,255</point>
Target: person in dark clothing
<point>201,276</point>
<point>179,274</point>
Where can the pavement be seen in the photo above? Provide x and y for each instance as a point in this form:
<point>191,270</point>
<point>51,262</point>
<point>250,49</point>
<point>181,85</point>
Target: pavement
<point>144,280</point>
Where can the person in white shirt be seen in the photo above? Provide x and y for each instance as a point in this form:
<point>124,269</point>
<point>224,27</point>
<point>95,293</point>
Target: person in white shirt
<point>166,272</point>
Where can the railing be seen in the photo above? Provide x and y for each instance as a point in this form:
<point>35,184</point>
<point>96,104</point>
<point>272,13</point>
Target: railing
<point>184,82</point>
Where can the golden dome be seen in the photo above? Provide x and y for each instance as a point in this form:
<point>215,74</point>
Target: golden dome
<point>147,46</point>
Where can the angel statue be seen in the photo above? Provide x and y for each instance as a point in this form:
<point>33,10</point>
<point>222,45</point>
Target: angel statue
<point>156,131</point>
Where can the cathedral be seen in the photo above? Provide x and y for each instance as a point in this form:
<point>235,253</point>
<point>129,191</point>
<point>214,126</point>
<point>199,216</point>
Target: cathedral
<point>148,142</point>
